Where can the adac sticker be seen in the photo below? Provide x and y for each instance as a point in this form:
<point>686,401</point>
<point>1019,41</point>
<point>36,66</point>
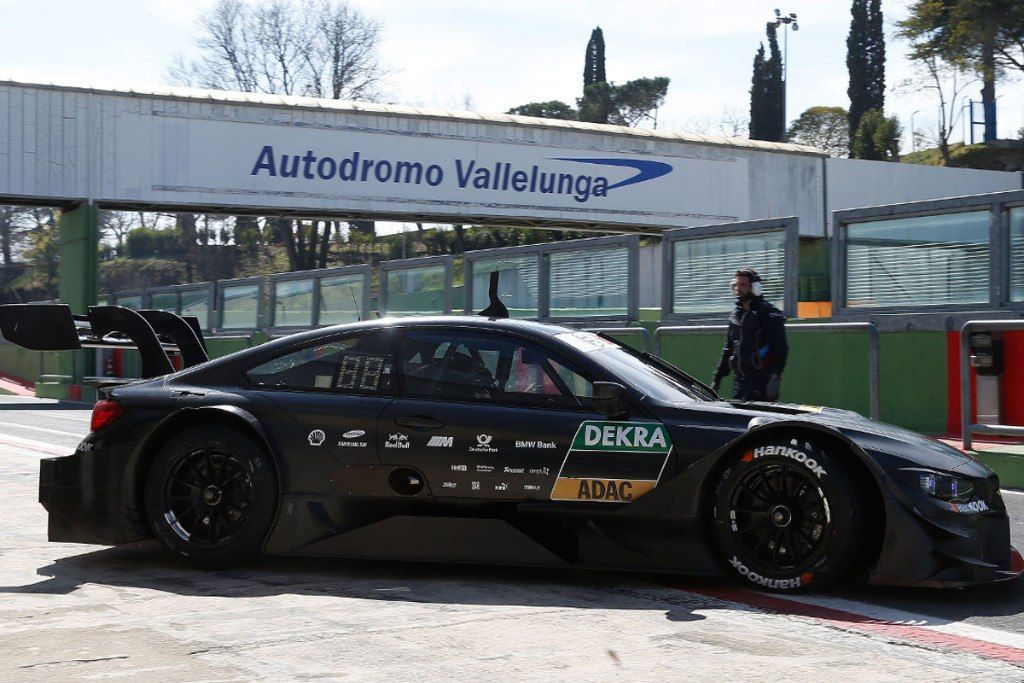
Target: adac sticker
<point>613,461</point>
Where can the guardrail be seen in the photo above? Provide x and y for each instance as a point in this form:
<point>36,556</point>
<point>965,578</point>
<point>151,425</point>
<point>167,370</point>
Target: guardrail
<point>231,337</point>
<point>966,398</point>
<point>869,328</point>
<point>642,331</point>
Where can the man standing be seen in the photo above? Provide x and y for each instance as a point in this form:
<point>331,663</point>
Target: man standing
<point>755,345</point>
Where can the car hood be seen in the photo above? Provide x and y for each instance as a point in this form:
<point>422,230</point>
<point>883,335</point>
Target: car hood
<point>887,444</point>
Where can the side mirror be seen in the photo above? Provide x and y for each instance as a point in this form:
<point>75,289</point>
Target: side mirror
<point>608,398</point>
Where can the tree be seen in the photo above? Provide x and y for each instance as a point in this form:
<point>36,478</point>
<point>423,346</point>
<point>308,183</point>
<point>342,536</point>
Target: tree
<point>767,93</point>
<point>877,137</point>
<point>554,109</point>
<point>639,99</point>
<point>758,98</point>
<point>628,104</point>
<point>948,83</point>
<point>730,122</point>
<point>979,36</point>
<point>115,225</point>
<point>593,63</point>
<point>320,48</point>
<point>865,61</point>
<point>14,224</point>
<point>596,104</point>
<point>42,252</point>
<point>823,127</point>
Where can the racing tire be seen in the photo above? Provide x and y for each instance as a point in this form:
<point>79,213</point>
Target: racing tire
<point>787,517</point>
<point>211,496</point>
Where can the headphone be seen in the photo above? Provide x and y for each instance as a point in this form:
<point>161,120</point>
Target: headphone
<point>756,286</point>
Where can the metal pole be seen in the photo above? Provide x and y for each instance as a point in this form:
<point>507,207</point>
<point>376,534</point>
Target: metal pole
<point>965,385</point>
<point>785,73</point>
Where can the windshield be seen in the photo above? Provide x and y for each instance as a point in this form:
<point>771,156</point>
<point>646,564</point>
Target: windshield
<point>641,371</point>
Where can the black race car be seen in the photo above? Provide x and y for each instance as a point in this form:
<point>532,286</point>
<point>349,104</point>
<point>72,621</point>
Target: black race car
<point>483,439</point>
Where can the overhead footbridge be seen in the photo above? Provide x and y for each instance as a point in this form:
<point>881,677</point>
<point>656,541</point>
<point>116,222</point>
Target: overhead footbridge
<point>182,150</point>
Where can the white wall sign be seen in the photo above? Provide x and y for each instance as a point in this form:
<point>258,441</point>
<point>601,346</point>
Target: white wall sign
<point>288,166</point>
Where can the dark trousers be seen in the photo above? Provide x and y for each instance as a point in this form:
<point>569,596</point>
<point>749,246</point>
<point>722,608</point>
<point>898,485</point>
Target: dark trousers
<point>751,388</point>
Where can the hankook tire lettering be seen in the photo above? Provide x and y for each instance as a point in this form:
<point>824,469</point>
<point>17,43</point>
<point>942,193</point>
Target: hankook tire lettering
<point>794,454</point>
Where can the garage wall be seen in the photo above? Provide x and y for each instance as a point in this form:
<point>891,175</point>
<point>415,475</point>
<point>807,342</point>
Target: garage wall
<point>856,183</point>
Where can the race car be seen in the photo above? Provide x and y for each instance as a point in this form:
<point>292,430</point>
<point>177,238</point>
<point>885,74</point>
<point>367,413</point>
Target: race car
<point>484,439</point>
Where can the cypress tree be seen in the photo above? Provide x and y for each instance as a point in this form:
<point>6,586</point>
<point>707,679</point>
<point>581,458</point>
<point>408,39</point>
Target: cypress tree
<point>767,96</point>
<point>865,60</point>
<point>775,87</point>
<point>593,64</point>
<point>758,128</point>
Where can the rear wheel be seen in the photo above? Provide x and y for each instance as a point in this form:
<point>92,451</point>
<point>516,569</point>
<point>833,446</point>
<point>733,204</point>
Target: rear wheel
<point>787,517</point>
<point>211,495</point>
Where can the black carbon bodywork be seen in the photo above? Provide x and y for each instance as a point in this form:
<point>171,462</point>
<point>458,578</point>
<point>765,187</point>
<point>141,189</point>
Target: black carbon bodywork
<point>489,495</point>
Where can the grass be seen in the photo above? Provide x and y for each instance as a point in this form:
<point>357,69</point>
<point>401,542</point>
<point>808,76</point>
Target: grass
<point>1004,156</point>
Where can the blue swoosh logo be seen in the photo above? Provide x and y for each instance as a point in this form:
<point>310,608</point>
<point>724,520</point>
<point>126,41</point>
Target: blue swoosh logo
<point>646,170</point>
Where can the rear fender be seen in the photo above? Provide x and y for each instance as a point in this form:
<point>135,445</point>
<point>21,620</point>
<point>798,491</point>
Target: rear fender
<point>187,417</point>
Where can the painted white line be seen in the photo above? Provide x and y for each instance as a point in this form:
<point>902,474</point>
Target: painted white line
<point>1014,492</point>
<point>77,435</point>
<point>898,616</point>
<point>894,631</point>
<point>33,445</point>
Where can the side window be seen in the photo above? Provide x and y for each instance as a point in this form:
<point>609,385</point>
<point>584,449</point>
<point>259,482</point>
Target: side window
<point>478,366</point>
<point>360,364</point>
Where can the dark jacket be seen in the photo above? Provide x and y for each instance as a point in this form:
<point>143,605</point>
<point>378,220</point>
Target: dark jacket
<point>755,342</point>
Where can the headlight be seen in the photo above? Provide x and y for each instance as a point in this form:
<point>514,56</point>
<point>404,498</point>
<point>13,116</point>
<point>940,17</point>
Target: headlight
<point>944,487</point>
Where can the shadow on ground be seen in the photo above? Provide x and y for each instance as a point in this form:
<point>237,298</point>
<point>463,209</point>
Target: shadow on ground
<point>148,566</point>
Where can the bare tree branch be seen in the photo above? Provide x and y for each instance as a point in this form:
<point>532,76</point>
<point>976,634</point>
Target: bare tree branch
<point>320,48</point>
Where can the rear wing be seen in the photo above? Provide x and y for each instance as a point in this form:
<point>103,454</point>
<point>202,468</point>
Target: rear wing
<point>52,327</point>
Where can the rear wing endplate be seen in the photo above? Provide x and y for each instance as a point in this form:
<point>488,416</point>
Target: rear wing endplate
<point>52,327</point>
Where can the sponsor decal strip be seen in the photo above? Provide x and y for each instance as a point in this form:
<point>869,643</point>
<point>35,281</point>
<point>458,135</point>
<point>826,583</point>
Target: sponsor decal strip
<point>609,490</point>
<point>869,625</point>
<point>612,438</point>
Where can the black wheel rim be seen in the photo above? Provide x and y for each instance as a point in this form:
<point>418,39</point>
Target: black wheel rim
<point>209,496</point>
<point>780,517</point>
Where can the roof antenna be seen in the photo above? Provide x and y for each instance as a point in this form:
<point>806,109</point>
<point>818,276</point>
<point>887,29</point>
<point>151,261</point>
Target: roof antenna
<point>352,291</point>
<point>496,309</point>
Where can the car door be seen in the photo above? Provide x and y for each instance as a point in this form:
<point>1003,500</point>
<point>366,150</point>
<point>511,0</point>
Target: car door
<point>328,396</point>
<point>483,414</point>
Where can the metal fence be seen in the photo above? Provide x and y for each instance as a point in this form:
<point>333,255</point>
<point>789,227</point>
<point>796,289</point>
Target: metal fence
<point>588,279</point>
<point>191,299</point>
<point>417,286</point>
<point>330,296</point>
<point>240,303</point>
<point>699,264</point>
<point>963,255</point>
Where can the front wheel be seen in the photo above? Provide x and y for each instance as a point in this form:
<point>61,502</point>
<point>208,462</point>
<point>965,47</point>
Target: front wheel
<point>211,496</point>
<point>786,517</point>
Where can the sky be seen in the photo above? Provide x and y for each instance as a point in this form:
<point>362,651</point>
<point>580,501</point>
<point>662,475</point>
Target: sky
<point>493,56</point>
